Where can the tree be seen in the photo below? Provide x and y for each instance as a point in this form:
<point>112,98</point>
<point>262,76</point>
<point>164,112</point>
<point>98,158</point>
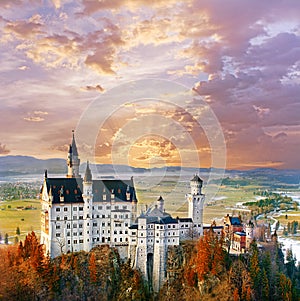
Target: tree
<point>254,266</point>
<point>210,257</point>
<point>18,232</point>
<point>265,285</point>
<point>236,296</point>
<point>6,239</point>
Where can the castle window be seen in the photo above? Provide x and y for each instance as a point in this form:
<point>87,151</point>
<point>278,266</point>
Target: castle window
<point>99,207</point>
<point>115,216</point>
<point>57,218</point>
<point>108,231</point>
<point>68,226</point>
<point>97,216</point>
<point>126,232</point>
<point>126,239</point>
<point>169,226</point>
<point>65,218</point>
<point>119,190</point>
<point>116,207</point>
<point>142,234</point>
<point>115,232</point>
<point>121,232</point>
<point>80,233</point>
<point>107,207</point>
<point>57,209</point>
<point>74,217</point>
<point>81,241</point>
<point>125,207</point>
<point>94,224</point>
<point>103,216</point>
<point>126,215</point>
<point>74,208</point>
<point>173,233</point>
<point>75,226</point>
<point>174,226</point>
<point>115,240</point>
<point>69,241</point>
<point>104,197</point>
<point>103,224</point>
<point>126,224</point>
<point>80,217</point>
<point>108,239</point>
<point>133,233</point>
<point>120,239</point>
<point>75,241</point>
<point>80,208</point>
<point>75,233</point>
<point>57,226</point>
<point>57,234</point>
<point>66,209</point>
<point>141,241</point>
<point>68,234</point>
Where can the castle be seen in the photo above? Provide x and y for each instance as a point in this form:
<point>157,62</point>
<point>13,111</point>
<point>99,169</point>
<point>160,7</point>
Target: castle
<point>80,213</point>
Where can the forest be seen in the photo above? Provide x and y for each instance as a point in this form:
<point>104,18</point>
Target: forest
<point>200,270</point>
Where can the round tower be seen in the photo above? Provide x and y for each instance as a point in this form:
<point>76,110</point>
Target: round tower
<point>249,233</point>
<point>196,202</point>
<point>196,185</point>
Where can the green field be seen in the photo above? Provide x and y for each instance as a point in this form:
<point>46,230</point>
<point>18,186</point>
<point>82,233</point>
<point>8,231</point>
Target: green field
<point>11,217</point>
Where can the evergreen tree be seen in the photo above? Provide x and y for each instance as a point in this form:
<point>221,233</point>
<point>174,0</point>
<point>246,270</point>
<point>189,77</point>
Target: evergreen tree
<point>265,285</point>
<point>6,239</point>
<point>18,232</point>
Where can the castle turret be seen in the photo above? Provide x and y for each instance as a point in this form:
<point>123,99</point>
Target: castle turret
<point>196,201</point>
<point>196,185</point>
<point>249,233</point>
<point>88,204</point>
<point>134,202</point>
<point>160,204</point>
<point>73,160</point>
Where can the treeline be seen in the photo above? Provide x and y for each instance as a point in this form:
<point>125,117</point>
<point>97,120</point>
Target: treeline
<point>273,201</point>
<point>195,271</point>
<point>26,274</point>
<point>212,274</point>
<point>292,228</point>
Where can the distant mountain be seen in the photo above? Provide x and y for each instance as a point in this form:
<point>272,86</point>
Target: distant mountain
<point>10,165</point>
<point>18,165</point>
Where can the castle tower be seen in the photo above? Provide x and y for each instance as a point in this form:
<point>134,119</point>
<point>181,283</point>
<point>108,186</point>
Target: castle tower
<point>141,251</point>
<point>160,204</point>
<point>196,201</point>
<point>73,160</point>
<point>88,205</point>
<point>249,234</point>
<point>133,202</point>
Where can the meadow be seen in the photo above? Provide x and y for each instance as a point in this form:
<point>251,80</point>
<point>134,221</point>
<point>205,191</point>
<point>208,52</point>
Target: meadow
<point>12,216</point>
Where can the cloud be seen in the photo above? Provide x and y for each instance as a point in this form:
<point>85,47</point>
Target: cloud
<point>34,119</point>
<point>36,116</point>
<point>3,149</point>
<point>98,88</point>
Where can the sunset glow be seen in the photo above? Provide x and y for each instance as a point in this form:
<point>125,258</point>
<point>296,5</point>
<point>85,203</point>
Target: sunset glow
<point>242,57</point>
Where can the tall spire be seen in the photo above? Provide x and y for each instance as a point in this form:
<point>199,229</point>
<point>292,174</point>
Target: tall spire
<point>88,173</point>
<point>74,148</point>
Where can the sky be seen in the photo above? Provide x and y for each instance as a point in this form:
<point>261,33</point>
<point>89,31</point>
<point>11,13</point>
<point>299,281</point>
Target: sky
<point>151,83</point>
